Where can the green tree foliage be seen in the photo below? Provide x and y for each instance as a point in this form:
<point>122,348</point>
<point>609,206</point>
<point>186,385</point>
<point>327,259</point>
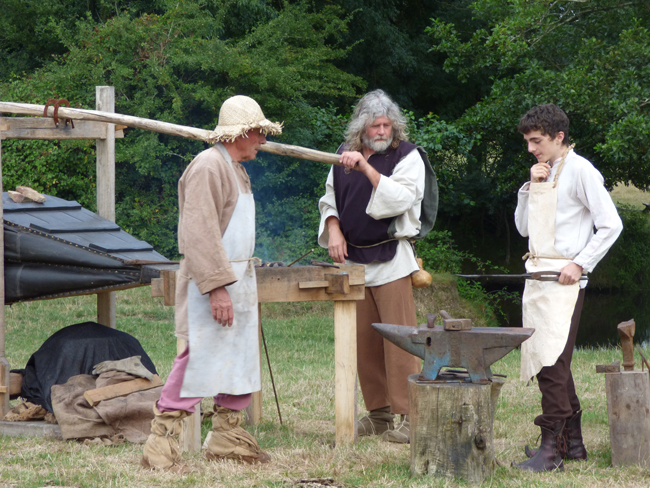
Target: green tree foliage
<point>179,65</point>
<point>590,58</point>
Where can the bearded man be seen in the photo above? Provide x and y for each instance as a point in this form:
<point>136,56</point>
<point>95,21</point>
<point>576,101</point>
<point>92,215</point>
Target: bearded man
<point>371,207</point>
<point>216,295</point>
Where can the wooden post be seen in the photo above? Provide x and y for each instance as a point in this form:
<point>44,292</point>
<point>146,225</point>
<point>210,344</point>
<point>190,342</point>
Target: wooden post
<point>628,409</point>
<point>451,429</point>
<point>345,370</point>
<point>254,410</point>
<point>4,364</point>
<point>105,101</point>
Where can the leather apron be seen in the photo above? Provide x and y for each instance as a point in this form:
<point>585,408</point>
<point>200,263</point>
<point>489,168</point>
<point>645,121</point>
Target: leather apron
<point>227,359</point>
<point>547,305</point>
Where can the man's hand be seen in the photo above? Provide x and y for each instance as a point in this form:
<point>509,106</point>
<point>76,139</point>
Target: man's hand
<point>539,172</point>
<point>336,245</point>
<point>355,160</point>
<point>221,306</point>
<point>570,274</point>
<point>351,159</point>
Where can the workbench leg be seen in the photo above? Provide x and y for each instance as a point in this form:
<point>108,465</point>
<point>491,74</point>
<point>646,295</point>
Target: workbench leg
<point>254,410</point>
<point>4,364</point>
<point>190,439</point>
<point>345,370</point>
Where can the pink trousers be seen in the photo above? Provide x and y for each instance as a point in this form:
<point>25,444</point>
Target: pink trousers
<point>170,398</point>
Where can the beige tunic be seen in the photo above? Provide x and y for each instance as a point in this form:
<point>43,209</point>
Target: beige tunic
<point>207,195</point>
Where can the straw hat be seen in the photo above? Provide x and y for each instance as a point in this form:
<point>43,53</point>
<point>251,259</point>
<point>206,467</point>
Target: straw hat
<point>238,115</point>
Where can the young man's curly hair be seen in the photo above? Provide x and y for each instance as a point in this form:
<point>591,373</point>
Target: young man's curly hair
<point>549,119</point>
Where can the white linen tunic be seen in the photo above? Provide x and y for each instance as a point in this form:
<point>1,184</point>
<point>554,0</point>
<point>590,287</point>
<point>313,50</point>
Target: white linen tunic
<point>582,204</point>
<point>399,195</point>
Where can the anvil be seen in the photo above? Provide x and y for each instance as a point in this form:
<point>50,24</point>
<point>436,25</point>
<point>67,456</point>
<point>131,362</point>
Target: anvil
<point>474,349</point>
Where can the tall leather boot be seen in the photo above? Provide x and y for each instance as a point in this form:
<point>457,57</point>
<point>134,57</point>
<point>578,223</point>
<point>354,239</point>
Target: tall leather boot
<point>227,440</point>
<point>162,450</point>
<point>549,456</point>
<point>573,434</point>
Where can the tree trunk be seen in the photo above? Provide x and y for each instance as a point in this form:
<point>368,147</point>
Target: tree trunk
<point>451,429</point>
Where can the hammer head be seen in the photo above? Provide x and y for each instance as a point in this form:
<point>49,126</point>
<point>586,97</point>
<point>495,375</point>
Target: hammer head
<point>473,349</point>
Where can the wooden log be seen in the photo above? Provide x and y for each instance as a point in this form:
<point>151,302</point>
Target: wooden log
<point>93,397</point>
<point>162,127</point>
<point>628,410</point>
<point>451,429</point>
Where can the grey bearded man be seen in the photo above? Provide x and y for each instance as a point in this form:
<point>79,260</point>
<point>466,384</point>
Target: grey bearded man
<point>216,295</point>
<point>371,207</point>
<point>557,210</point>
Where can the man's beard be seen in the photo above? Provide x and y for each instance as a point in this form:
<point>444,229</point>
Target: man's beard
<point>377,144</point>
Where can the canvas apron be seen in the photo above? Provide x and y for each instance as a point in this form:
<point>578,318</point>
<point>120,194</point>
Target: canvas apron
<point>227,359</point>
<point>547,305</point>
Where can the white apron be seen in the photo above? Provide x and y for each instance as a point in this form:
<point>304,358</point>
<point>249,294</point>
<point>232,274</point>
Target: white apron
<point>227,359</point>
<point>547,305</point>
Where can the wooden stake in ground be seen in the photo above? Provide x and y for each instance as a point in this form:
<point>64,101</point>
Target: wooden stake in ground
<point>162,127</point>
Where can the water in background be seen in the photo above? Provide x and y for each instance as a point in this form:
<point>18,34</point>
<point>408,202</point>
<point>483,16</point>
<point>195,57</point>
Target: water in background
<point>601,313</point>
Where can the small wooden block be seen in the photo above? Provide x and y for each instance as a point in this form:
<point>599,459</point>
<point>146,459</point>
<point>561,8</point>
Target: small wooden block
<point>93,397</point>
<point>157,287</point>
<point>338,283</point>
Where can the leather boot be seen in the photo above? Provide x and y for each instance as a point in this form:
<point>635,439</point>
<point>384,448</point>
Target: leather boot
<point>376,422</point>
<point>549,456</point>
<point>162,450</point>
<point>227,440</point>
<point>401,434</point>
<point>573,434</point>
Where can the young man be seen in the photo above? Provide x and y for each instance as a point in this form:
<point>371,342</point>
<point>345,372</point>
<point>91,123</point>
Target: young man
<point>558,210</point>
<point>370,208</point>
<point>216,295</point>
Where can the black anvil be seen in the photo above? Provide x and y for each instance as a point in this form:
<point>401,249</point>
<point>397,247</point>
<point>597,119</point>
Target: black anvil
<point>455,344</point>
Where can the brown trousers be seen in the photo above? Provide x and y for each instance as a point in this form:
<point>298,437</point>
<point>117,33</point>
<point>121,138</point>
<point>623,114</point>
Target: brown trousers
<point>559,398</point>
<point>383,367</point>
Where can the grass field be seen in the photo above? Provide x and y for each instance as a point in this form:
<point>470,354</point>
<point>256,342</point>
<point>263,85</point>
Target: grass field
<point>301,345</point>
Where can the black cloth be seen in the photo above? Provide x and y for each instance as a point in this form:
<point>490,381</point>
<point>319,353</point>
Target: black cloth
<point>559,399</point>
<point>352,192</point>
<point>75,350</point>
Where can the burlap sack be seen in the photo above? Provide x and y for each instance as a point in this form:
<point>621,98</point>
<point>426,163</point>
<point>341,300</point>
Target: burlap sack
<point>129,415</point>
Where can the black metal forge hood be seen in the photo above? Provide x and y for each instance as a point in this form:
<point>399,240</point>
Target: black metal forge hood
<point>58,248</point>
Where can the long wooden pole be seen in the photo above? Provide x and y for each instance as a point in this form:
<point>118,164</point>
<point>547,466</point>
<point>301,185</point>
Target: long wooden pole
<point>162,127</point>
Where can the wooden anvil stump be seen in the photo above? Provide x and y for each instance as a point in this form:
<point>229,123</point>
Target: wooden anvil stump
<point>451,428</point>
<point>451,410</point>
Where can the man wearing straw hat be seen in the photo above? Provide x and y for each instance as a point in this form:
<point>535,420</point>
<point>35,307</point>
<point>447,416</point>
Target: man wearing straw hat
<point>216,295</point>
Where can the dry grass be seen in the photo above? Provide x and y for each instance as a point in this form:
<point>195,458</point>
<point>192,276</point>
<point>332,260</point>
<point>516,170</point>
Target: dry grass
<point>630,196</point>
<point>302,449</point>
